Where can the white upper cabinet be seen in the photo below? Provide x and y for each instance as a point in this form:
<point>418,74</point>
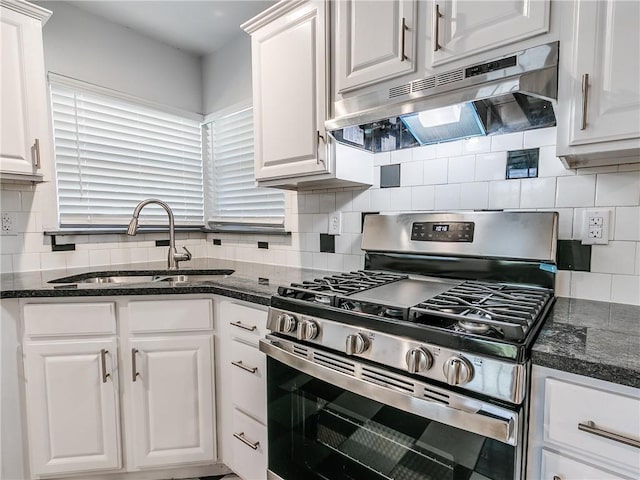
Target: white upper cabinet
<point>599,97</point>
<point>24,117</point>
<point>289,57</point>
<point>374,41</point>
<point>461,28</point>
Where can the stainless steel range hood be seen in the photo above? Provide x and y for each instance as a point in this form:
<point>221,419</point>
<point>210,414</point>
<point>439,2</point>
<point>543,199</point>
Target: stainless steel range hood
<point>507,94</point>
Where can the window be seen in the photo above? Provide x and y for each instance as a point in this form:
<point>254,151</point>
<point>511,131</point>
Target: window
<point>232,195</point>
<point>112,152</point>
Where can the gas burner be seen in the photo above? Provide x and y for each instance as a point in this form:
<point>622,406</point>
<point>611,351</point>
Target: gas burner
<point>322,299</point>
<point>472,327</point>
<point>391,312</point>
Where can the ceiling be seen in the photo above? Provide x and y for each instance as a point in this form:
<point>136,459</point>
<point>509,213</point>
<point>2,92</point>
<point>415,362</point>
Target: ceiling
<point>197,27</point>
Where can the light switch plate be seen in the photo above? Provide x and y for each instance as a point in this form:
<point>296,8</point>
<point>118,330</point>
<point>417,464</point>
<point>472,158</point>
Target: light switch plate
<point>595,227</point>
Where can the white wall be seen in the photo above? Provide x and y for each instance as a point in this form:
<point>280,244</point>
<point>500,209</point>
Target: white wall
<point>226,75</point>
<point>464,175</point>
<point>92,49</point>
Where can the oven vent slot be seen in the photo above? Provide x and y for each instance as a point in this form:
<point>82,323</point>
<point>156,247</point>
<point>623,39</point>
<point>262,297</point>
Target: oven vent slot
<point>423,84</point>
<point>387,380</point>
<point>436,396</point>
<point>334,363</point>
<point>301,351</point>
<point>450,77</point>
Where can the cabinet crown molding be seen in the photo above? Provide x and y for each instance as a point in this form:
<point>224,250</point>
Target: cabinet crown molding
<point>271,13</point>
<point>26,8</point>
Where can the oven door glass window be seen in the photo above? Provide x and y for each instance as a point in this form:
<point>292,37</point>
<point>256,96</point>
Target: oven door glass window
<point>320,431</point>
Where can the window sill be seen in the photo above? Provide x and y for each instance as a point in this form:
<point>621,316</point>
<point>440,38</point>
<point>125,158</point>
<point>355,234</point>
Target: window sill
<point>248,230</point>
<point>119,230</point>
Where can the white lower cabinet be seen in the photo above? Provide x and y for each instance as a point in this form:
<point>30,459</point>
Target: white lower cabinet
<point>171,408</point>
<point>582,428</point>
<point>92,368</point>
<point>244,372</point>
<point>72,405</point>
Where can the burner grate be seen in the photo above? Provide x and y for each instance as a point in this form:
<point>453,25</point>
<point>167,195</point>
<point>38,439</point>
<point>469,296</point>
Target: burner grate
<point>506,309</point>
<point>348,283</point>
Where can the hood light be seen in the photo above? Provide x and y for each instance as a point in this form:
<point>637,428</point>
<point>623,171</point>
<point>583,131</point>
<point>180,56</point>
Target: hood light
<point>440,116</point>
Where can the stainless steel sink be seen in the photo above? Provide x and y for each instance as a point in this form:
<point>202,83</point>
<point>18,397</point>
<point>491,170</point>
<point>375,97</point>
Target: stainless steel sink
<point>144,277</point>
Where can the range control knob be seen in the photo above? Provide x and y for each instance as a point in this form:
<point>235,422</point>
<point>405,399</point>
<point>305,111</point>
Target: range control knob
<point>307,330</point>
<point>418,360</point>
<point>356,344</point>
<point>458,371</point>
<point>286,323</point>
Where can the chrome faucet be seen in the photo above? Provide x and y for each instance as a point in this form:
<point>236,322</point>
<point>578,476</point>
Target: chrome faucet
<point>174,257</point>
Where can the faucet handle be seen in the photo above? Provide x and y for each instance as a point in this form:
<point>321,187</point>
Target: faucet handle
<point>188,252</point>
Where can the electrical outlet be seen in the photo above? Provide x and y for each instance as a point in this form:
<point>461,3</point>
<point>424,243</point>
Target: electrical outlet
<point>335,223</point>
<point>596,227</point>
<point>8,223</point>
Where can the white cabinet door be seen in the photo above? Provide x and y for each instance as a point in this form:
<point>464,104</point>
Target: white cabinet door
<point>461,28</point>
<point>24,113</point>
<point>606,41</point>
<point>374,41</point>
<point>72,406</point>
<point>556,466</point>
<point>172,406</point>
<point>289,93</point>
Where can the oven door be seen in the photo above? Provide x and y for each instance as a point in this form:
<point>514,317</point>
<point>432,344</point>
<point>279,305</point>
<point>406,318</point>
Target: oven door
<point>333,418</point>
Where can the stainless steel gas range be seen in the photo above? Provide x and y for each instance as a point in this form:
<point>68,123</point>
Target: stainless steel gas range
<point>416,367</point>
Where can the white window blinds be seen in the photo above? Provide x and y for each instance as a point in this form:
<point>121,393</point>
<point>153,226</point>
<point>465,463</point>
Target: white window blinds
<point>112,153</point>
<point>232,195</point>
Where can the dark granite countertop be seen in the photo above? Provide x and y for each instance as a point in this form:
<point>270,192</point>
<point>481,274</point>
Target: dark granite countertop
<point>594,339</point>
<point>250,282</point>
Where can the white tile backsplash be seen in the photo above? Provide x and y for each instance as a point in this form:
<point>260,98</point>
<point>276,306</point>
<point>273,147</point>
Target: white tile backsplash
<point>592,286</point>
<point>618,189</point>
<point>537,192</point>
<point>411,173</point>
<point>578,191</point>
<point>466,174</point>
<point>506,142</point>
<point>504,194</point>
<point>462,169</point>
<point>627,223</point>
<point>491,166</point>
<point>625,289</point>
<point>435,171</point>
<point>474,196</point>
<point>447,197</point>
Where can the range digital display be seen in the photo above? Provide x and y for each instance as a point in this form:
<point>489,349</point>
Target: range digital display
<point>442,232</point>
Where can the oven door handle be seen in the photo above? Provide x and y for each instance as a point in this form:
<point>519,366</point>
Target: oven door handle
<point>491,426</point>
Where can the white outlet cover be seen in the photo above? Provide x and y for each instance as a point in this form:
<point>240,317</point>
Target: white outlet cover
<point>8,223</point>
<point>595,227</point>
<point>335,223</point>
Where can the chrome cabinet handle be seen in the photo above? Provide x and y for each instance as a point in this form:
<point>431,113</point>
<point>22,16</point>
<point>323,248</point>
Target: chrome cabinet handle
<point>318,138</point>
<point>240,436</point>
<point>244,367</point>
<point>403,26</point>
<point>585,100</point>
<point>36,148</point>
<point>251,328</point>
<point>591,428</point>
<point>134,368</point>
<point>103,361</point>
<point>436,27</point>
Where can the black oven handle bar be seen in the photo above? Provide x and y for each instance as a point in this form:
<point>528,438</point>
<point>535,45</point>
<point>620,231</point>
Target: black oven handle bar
<point>504,430</point>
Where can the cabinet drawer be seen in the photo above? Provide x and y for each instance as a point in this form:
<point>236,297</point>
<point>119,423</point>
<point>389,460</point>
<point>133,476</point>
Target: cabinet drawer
<point>249,388</point>
<point>558,466</point>
<point>170,315</point>
<point>568,404</point>
<point>249,447</point>
<point>64,319</point>
<point>243,322</point>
